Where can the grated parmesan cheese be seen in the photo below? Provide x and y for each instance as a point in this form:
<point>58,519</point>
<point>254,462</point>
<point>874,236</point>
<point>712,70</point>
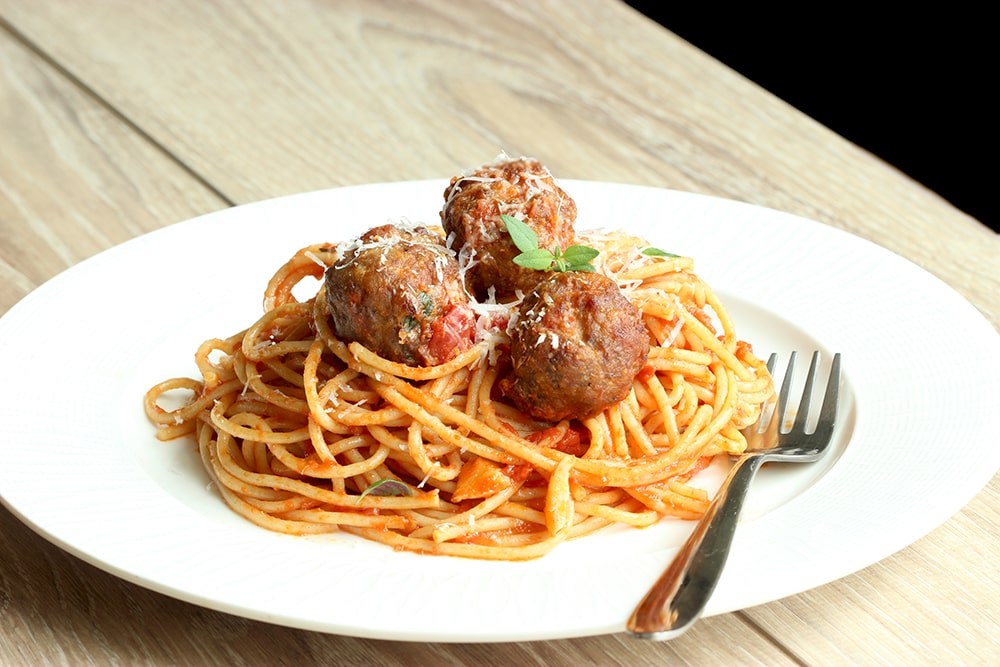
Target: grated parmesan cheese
<point>315,258</point>
<point>434,465</point>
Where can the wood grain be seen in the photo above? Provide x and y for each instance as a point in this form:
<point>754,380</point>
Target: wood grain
<point>121,117</point>
<point>75,179</point>
<point>264,99</point>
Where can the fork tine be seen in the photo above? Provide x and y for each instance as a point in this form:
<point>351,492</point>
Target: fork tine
<point>806,400</point>
<point>828,412</point>
<point>768,410</point>
<point>829,408</point>
<point>778,420</point>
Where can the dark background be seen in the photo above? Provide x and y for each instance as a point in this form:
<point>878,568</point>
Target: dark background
<point>914,89</point>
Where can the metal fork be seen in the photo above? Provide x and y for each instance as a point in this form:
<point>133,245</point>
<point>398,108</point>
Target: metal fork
<point>677,599</point>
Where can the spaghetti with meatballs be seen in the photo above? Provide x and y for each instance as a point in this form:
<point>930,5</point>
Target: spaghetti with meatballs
<point>437,397</point>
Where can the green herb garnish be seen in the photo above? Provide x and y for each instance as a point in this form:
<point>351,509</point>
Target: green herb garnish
<point>573,258</point>
<point>387,487</point>
<point>656,252</point>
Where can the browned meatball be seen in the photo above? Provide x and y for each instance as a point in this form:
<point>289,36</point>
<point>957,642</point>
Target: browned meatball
<point>522,188</point>
<point>398,292</point>
<point>576,346</point>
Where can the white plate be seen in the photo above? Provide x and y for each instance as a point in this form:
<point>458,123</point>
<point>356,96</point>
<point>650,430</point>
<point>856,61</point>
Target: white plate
<point>82,467</point>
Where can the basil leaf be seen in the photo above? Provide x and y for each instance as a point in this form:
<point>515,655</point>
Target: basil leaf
<point>656,252</point>
<point>521,234</point>
<point>586,268</point>
<point>580,254</point>
<point>537,258</point>
<point>387,487</point>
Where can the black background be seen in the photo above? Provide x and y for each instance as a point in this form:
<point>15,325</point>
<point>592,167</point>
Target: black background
<point>914,89</point>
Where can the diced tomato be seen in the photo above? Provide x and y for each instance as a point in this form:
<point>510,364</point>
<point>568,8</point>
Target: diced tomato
<point>452,332</point>
<point>571,442</point>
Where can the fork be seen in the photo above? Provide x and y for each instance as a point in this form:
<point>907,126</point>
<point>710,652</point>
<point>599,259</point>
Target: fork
<point>679,596</point>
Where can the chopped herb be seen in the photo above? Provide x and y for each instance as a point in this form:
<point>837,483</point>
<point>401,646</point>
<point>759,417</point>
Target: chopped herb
<point>410,323</point>
<point>573,258</point>
<point>426,303</point>
<point>387,487</point>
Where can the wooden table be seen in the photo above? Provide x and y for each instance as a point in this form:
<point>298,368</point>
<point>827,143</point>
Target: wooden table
<point>121,117</point>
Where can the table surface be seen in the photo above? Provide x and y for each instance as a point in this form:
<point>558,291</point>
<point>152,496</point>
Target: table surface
<point>122,117</point>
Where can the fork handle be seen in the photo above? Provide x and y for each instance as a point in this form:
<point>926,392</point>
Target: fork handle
<point>678,597</point>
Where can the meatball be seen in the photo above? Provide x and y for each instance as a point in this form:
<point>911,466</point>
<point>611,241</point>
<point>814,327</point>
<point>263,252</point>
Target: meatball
<point>576,346</point>
<point>398,292</point>
<point>522,188</point>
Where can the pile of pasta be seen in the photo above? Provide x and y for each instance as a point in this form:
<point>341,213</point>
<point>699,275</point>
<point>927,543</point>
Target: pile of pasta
<point>305,433</point>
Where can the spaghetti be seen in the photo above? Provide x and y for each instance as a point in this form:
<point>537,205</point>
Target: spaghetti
<point>304,433</point>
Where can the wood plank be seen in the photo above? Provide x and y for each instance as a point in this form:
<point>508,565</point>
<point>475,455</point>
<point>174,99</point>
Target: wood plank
<point>272,98</point>
<point>75,179</point>
<point>267,99</point>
